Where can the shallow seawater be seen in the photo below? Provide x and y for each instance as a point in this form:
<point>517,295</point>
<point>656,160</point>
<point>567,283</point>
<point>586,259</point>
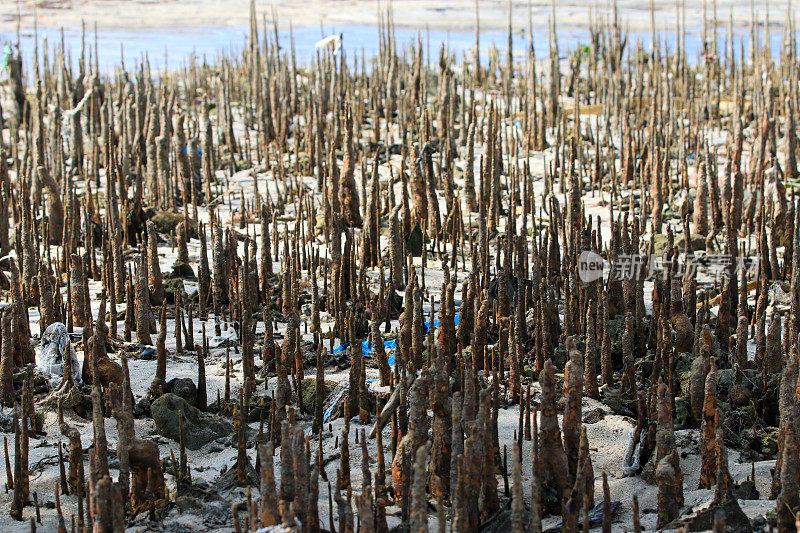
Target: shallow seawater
<point>174,49</point>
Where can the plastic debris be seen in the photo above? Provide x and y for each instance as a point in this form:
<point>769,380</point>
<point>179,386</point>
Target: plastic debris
<point>148,353</point>
<point>331,42</point>
<point>56,345</point>
<point>366,347</point>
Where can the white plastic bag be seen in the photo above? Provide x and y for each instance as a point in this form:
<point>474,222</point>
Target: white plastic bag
<point>56,346</point>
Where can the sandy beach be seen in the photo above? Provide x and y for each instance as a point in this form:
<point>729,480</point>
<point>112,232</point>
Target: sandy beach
<point>455,15</point>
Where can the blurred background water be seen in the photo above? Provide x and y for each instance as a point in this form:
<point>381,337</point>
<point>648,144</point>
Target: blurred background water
<point>174,49</point>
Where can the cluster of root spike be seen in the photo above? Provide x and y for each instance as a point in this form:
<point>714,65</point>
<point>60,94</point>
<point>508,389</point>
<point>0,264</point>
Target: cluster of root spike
<point>99,171</point>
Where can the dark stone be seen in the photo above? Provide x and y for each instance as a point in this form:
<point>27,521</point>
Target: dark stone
<point>768,440</point>
<point>173,286</point>
<point>683,369</point>
<point>83,408</point>
<point>594,416</point>
<point>746,491</point>
<point>559,356</point>
<point>167,221</point>
<point>527,371</point>
<point>513,289</point>
<point>183,387</point>
<point>259,408</point>
<point>698,242</point>
<point>648,473</point>
<point>616,330</point>
<point>684,332</point>
<point>198,428</point>
<point>550,499</point>
<point>309,389</point>
<point>229,480</point>
<point>735,519</point>
<point>770,518</point>
<point>501,522</point>
<point>644,367</point>
<point>415,241</point>
<point>619,404</point>
<point>142,407</point>
<point>683,413</point>
<point>395,305</point>
<point>181,270</point>
<point>218,513</point>
<point>595,518</point>
<point>189,504</point>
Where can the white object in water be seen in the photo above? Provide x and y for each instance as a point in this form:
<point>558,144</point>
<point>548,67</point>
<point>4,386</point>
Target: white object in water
<point>8,86</point>
<point>56,346</point>
<point>332,42</point>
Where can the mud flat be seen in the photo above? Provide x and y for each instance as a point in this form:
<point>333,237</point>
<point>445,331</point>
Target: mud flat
<point>457,15</point>
<point>530,290</point>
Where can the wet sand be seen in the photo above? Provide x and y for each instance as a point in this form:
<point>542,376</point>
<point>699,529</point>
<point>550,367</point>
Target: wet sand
<point>456,15</point>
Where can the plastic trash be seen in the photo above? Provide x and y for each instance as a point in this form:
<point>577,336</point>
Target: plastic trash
<point>331,42</point>
<point>148,353</point>
<point>778,295</point>
<point>436,323</point>
<point>56,346</point>
<point>333,399</point>
<point>7,55</point>
<point>12,92</point>
<point>366,347</point>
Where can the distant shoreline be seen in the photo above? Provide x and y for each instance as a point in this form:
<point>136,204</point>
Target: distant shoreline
<point>454,15</point>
